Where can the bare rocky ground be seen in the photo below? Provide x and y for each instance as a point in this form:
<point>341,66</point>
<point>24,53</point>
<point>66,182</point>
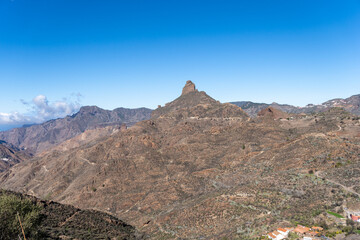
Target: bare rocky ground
<point>200,169</point>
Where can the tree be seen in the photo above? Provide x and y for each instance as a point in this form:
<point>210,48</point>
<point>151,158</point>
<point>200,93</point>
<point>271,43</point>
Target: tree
<point>29,213</point>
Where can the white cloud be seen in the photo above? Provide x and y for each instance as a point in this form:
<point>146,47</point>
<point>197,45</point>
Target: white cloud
<point>45,110</point>
<point>42,110</point>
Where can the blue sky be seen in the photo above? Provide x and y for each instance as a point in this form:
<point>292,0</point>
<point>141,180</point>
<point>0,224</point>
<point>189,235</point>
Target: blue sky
<point>58,55</point>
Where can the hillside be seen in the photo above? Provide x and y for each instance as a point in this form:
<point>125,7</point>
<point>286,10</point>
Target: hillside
<point>199,169</point>
<point>58,221</point>
<point>41,137</point>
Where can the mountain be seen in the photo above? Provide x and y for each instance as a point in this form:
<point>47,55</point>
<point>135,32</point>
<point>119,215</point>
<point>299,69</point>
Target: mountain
<point>200,169</point>
<point>351,104</point>
<point>37,138</point>
<point>10,155</point>
<point>195,104</point>
<point>59,221</point>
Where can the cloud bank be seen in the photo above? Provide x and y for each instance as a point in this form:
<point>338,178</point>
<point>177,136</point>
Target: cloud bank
<point>41,110</point>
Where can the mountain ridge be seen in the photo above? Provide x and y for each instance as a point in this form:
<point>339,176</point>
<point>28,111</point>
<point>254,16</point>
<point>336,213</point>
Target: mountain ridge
<point>40,137</point>
<point>350,104</point>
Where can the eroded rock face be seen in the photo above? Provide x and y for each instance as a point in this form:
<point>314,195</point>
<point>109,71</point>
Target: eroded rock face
<point>189,87</point>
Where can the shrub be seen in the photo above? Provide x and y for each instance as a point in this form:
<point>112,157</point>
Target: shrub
<point>10,207</point>
<point>338,164</point>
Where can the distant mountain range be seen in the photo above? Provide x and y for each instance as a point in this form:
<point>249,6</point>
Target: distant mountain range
<point>37,138</point>
<point>351,104</point>
<point>40,137</point>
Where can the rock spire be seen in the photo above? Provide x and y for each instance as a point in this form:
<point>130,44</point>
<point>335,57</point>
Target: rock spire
<point>189,87</point>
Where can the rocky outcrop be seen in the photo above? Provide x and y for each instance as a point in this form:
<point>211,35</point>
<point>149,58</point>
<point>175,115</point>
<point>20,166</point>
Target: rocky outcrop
<point>189,87</point>
<point>272,113</point>
<point>197,104</point>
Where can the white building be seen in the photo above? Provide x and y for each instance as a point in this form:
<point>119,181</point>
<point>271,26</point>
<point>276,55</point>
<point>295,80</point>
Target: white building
<point>280,233</point>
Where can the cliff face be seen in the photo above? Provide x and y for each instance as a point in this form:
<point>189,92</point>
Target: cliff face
<point>189,87</point>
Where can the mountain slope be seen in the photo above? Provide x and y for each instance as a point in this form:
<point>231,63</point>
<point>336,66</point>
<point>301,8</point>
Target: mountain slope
<point>9,156</point>
<point>37,138</point>
<point>202,169</point>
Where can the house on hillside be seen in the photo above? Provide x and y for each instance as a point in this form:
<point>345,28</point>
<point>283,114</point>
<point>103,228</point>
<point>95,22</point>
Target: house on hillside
<point>318,229</point>
<point>355,218</point>
<point>305,232</point>
<point>275,235</point>
<point>280,233</point>
<point>352,211</point>
<point>301,229</point>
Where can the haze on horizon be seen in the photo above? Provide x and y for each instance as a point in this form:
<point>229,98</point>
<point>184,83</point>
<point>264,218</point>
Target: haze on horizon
<point>56,56</point>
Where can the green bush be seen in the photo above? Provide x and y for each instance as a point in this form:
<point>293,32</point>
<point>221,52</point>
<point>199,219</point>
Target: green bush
<point>10,207</point>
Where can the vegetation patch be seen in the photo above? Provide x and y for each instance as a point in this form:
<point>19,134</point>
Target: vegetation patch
<point>43,219</point>
<point>13,210</point>
<point>335,214</point>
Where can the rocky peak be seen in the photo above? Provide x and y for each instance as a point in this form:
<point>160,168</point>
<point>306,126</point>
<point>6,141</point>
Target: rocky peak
<point>272,113</point>
<point>90,109</point>
<point>189,87</point>
<point>194,103</point>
